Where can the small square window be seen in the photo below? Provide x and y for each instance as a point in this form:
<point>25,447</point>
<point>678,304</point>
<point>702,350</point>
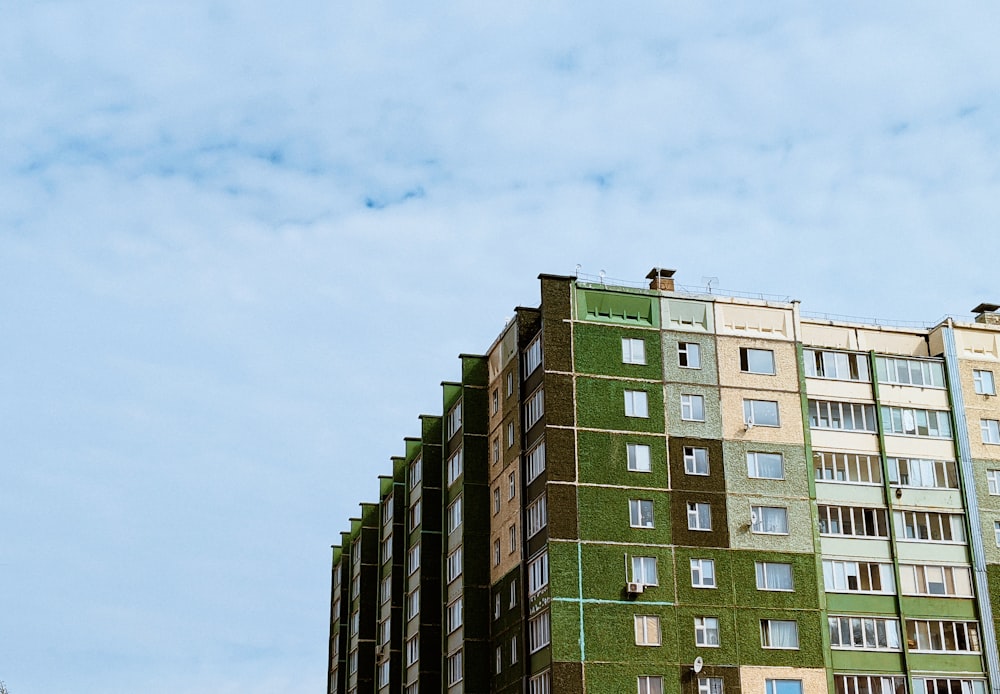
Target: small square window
<point>647,630</point>
<point>703,573</point>
<point>706,631</point>
<point>699,516</point>
<point>640,513</point>
<point>639,459</point>
<point>636,403</point>
<point>644,571</point>
<point>757,361</point>
<point>990,429</point>
<point>983,382</point>
<point>693,408</point>
<point>695,460</point>
<point>993,481</point>
<point>689,355</point>
<point>760,413</point>
<point>633,351</point>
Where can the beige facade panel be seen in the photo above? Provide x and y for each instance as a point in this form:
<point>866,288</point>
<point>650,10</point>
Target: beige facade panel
<point>829,336</point>
<point>735,428</point>
<point>847,441</point>
<point>786,364</point>
<point>832,389</point>
<point>919,447</point>
<point>981,343</point>
<point>865,495</point>
<point>891,341</point>
<point>508,516</point>
<point>932,553</point>
<point>754,321</point>
<point>914,396</point>
<point>859,548</point>
<point>754,678</point>
<point>692,316</point>
<point>925,499</point>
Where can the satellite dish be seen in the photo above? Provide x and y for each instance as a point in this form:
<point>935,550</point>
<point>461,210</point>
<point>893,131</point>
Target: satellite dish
<point>698,664</point>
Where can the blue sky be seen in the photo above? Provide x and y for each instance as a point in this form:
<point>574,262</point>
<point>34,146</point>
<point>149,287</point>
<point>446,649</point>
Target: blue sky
<point>241,244</point>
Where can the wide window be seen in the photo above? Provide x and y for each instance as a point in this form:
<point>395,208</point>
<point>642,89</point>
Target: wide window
<point>864,633</point>
<point>983,382</point>
<point>710,685</point>
<point>640,513</point>
<point>948,685</point>
<point>782,686</point>
<point>633,351</point>
<point>693,408</point>
<point>857,521</point>
<point>699,516</point>
<point>636,403</point>
<point>779,633</point>
<point>935,579</point>
<point>869,684</point>
<point>847,416</point>
<point>647,630</point>
<point>540,684</point>
<point>702,573</point>
<point>939,635</point>
<point>767,466</point>
<point>774,576</point>
<point>910,372</point>
<point>906,421</point>
<point>857,577</point>
<point>769,520</point>
<point>757,361</point>
<point>922,472</point>
<point>639,458</point>
<point>706,631</point>
<point>695,460</point>
<point>842,366</point>
<point>857,468</point>
<point>644,571</point>
<point>689,355</point>
<point>760,413</point>
<point>929,526</point>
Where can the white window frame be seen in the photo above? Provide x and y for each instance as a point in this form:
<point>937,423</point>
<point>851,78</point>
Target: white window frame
<point>758,526</point>
<point>645,571</point>
<point>838,366</point>
<point>539,632</point>
<point>512,538</point>
<point>456,465</point>
<point>385,590</point>
<point>847,468</point>
<point>853,521</point>
<point>633,351</point>
<point>535,461</point>
<point>415,514</point>
<point>641,513</point>
<point>647,630</point>
<point>454,666</point>
<point>936,580</point>
<point>692,407</point>
<point>413,603</point>
<point>767,634</point>
<point>454,615</point>
<point>538,573</point>
<point>863,684</point>
<point>534,409</point>
<point>454,420</point>
<point>537,515</point>
<point>455,514</point>
<point>699,515</point>
<point>993,482</point>
<point>771,686</point>
<point>496,500</point>
<point>703,573</point>
<point>756,470</point>
<point>511,485</point>
<point>746,365</point>
<point>767,572</point>
<point>639,457</point>
<point>836,415</point>
<point>872,631</point>
<point>752,416</point>
<point>454,564</point>
<point>922,373</point>
<point>637,404</point>
<point>412,649</point>
<point>695,460</point>
<point>706,632</point>
<point>968,629</point>
<point>990,430</point>
<point>689,355</point>
<point>710,685</point>
<point>916,421</point>
<point>854,576</point>
<point>983,382</point>
<point>413,559</point>
<point>649,684</point>
<point>416,471</point>
<point>533,356</point>
<point>540,683</point>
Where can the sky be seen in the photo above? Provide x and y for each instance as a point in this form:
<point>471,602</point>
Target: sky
<point>243,242</point>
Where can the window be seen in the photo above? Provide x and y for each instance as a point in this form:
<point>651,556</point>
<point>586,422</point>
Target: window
<point>384,628</point>
<point>633,351</point>
<point>455,465</point>
<point>538,632</point>
<point>644,571</point>
<point>640,513</point>
<point>538,573</point>
<point>639,458</point>
<point>454,616</point>
<point>650,684</point>
<point>846,416</point>
<point>496,400</point>
<point>689,355</point>
<point>413,603</point>
<point>513,594</point>
<point>910,372</point>
<point>455,515</point>
<point>695,460</point>
<point>983,382</point>
<point>535,461</point>
<point>703,573</point>
<point>757,361</point>
<point>847,467</point>
<point>496,553</point>
<point>709,685</point>
<point>779,633</point>
<point>769,520</point>
<point>838,365</point>
<point>990,429</point>
<point>765,466</point>
<point>920,472</point>
<point>996,532</point>
<point>355,586</point>
<point>455,668</point>
<point>870,684</point>
<point>760,413</point>
<point>513,649</point>
<point>782,686</point>
<point>387,510</point>
<point>864,633</point>
<point>774,576</point>
<point>414,516</point>
<point>386,548</point>
<point>693,408</point>
<point>496,500</point>
<point>932,579</point>
<point>454,420</point>
<point>706,631</point>
<point>533,356</point>
<point>857,577</point>
<point>699,516</point>
<point>499,660</point>
<point>948,685</point>
<point>383,674</point>
<point>636,403</point>
<point>510,434</point>
<point>496,450</point>
<point>540,684</point>
<point>993,481</point>
<point>412,649</point>
<point>510,383</point>
<point>537,515</point>
<point>352,662</point>
<point>496,606</point>
<point>647,630</point>
<point>355,623</point>
<point>416,472</point>
<point>385,590</point>
<point>929,526</point>
<point>858,521</point>
<point>454,565</point>
<point>534,409</point>
<point>511,485</point>
<point>512,537</point>
<point>906,421</point>
<point>939,635</point>
<point>413,559</point>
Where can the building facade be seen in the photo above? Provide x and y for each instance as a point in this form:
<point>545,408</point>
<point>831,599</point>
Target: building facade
<point>656,490</point>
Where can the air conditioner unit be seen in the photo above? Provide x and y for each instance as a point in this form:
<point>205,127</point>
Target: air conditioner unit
<point>634,588</point>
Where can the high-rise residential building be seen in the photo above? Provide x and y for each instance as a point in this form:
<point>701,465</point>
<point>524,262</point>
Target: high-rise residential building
<point>653,489</point>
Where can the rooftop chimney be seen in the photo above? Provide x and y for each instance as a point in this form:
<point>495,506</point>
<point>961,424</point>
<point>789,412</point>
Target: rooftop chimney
<point>987,313</point>
<point>661,279</point>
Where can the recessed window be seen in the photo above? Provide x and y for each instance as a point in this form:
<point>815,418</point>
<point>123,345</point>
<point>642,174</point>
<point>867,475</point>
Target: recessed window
<point>862,684</point>
<point>413,559</point>
<point>413,603</point>
<point>454,565</point>
<point>633,351</point>
<point>650,685</point>
<point>510,434</point>
<point>689,355</point>
<point>533,356</point>
<point>511,485</point>
<point>454,420</point>
<point>983,382</point>
<point>496,553</point>
<point>767,466</point>
<point>538,515</point>
<point>512,536</point>
<point>695,460</point>
<point>910,372</point>
<point>703,573</point>
<point>644,571</point>
<point>647,630</point>
<point>636,403</point>
<point>760,413</point>
<point>455,466</point>
<point>772,520</point>
<point>513,649</point>
<point>782,686</point>
<point>495,399</point>
<point>535,461</point>
<point>864,633</point>
<point>496,606</point>
<point>454,668</point>
<point>416,472</point>
<point>779,633</point>
<point>538,573</point>
<point>412,649</point>
<point>858,521</point>
<point>510,383</point>
<point>639,459</point>
<point>534,409</point>
<point>757,361</point>
<point>709,685</point>
<point>990,429</point>
<point>496,450</point>
<point>540,684</point>
<point>774,576</point>
<point>513,593</point>
<point>993,481</point>
<point>455,515</point>
<point>496,500</point>
<point>640,513</point>
<point>693,408</point>
<point>538,632</point>
<point>996,532</point>
<point>699,516</point>
<point>706,631</point>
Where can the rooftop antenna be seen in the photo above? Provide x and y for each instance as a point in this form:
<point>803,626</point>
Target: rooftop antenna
<point>708,282</point>
<point>602,276</point>
<point>578,268</point>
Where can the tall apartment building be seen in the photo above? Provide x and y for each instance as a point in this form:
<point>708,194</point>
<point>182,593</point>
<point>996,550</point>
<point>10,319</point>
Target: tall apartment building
<point>652,490</point>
